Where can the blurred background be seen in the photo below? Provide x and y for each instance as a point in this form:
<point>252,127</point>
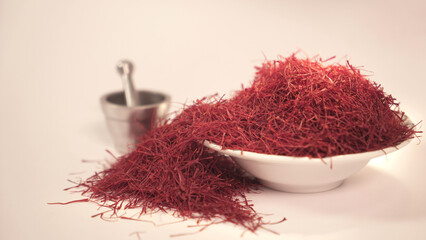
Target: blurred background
<point>58,57</point>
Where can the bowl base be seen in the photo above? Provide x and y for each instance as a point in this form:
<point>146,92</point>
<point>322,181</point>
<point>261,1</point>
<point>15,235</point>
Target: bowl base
<point>301,188</point>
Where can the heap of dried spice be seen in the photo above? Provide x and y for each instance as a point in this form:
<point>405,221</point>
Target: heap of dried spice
<point>303,108</point>
<point>294,107</point>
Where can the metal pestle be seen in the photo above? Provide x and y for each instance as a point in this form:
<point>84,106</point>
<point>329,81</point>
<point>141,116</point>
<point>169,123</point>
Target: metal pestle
<point>125,69</point>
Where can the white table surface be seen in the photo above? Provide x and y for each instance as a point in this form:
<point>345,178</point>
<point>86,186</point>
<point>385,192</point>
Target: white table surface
<point>58,57</point>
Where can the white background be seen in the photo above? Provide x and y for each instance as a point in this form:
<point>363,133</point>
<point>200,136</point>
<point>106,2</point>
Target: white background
<point>58,57</point>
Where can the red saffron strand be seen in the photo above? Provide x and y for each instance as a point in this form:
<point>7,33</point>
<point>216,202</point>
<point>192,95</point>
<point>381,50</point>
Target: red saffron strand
<point>66,203</point>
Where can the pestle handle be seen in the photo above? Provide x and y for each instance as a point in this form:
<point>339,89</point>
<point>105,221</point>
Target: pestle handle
<point>125,69</point>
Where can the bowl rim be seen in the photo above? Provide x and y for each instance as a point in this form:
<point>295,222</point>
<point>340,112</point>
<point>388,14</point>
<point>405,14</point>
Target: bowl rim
<point>281,158</point>
<point>269,158</point>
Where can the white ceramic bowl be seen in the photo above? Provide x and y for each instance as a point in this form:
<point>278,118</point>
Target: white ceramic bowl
<point>302,174</point>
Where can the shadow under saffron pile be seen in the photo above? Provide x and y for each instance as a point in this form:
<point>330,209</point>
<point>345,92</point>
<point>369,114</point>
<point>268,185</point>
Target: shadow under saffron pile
<point>294,107</point>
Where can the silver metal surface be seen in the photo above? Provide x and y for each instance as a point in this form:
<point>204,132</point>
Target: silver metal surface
<point>128,124</point>
<point>125,69</point>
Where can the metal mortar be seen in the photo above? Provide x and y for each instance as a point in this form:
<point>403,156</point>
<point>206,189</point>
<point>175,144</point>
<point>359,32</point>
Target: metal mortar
<point>127,124</point>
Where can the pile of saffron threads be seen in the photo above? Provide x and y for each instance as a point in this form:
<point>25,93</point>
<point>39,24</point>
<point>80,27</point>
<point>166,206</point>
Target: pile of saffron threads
<point>304,108</point>
<point>294,107</point>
